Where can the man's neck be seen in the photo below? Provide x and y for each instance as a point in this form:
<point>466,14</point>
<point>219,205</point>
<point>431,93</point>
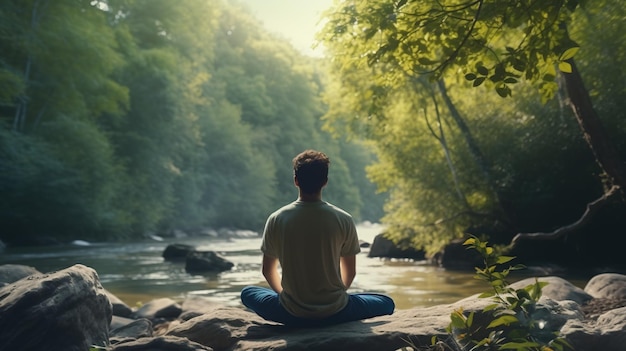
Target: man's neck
<point>310,197</point>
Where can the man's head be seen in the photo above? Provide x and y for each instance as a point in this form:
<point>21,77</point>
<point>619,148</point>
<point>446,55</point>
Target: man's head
<point>310,169</point>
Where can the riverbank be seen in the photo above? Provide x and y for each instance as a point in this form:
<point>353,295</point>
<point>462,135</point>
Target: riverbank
<point>70,310</point>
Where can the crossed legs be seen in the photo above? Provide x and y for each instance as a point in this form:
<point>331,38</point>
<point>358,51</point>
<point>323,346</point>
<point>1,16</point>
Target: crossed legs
<point>265,302</point>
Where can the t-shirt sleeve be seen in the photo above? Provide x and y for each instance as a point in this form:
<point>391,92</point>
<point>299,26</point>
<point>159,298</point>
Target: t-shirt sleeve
<point>267,244</point>
<point>351,245</point>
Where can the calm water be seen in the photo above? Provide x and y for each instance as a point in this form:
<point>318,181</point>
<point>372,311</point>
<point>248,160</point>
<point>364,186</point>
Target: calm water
<point>137,273</point>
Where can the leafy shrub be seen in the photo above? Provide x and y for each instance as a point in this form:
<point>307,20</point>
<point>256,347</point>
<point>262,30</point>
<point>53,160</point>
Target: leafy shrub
<point>515,320</point>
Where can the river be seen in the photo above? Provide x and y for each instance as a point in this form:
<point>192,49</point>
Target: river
<point>136,272</point>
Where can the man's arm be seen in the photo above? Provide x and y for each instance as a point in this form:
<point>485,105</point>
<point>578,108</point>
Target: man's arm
<point>348,269</point>
<point>270,272</point>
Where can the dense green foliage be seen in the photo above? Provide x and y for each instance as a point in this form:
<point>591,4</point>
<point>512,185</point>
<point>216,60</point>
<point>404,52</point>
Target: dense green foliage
<point>119,118</point>
<point>410,76</point>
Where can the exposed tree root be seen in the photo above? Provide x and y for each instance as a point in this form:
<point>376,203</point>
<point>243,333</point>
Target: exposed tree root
<point>592,209</point>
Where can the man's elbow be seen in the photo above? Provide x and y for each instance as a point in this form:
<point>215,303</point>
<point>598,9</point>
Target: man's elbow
<point>348,278</point>
<point>352,275</point>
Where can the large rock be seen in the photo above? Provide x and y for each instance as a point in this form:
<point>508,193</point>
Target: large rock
<point>231,328</point>
<point>607,285</point>
<point>139,328</point>
<point>234,329</point>
<point>177,252</point>
<point>385,248</point>
<point>206,261</point>
<point>10,273</point>
<point>65,310</point>
<point>160,308</point>
<point>120,308</point>
<point>557,289</point>
<point>456,256</point>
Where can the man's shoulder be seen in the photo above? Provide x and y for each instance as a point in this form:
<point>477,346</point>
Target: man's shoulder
<point>285,208</point>
<point>340,211</point>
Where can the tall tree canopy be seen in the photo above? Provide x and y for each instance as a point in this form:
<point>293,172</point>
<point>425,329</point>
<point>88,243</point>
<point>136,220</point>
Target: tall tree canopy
<point>441,145</point>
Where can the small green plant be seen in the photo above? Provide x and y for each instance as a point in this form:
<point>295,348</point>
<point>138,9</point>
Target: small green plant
<point>514,321</point>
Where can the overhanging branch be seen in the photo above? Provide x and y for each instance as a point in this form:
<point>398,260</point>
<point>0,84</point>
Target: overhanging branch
<point>592,209</point>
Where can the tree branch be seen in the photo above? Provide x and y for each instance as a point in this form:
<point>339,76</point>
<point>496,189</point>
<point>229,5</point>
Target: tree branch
<point>592,209</point>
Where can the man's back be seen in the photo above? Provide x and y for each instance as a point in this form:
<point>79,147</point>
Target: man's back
<point>315,244</point>
<point>308,238</point>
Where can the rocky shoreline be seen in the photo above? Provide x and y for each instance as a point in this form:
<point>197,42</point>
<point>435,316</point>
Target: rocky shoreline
<point>70,310</point>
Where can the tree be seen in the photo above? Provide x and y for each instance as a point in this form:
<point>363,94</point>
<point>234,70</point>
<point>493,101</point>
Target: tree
<point>494,43</point>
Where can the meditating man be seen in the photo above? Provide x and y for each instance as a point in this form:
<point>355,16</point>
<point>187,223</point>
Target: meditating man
<point>315,244</point>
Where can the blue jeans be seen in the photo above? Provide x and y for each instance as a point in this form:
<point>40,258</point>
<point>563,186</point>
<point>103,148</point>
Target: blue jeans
<point>266,304</point>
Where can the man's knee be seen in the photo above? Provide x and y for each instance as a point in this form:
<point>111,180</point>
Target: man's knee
<point>247,295</point>
<point>390,305</point>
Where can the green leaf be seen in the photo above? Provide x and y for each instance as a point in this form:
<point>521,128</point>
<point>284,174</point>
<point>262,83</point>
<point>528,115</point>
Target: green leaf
<point>565,67</point>
<point>469,241</point>
<point>457,320</point>
<point>512,300</point>
<point>519,65</point>
<point>522,293</point>
<point>497,282</point>
<point>569,53</point>
<point>486,294</point>
<point>503,90</point>
<point>491,307</point>
<point>503,320</point>
<point>470,76</point>
<point>478,81</point>
<point>504,259</point>
<point>535,289</point>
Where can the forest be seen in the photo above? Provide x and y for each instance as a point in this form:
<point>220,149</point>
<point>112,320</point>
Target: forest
<point>493,117</point>
<point>123,118</point>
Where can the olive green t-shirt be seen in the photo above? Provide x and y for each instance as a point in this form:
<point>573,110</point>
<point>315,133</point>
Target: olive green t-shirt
<point>308,238</point>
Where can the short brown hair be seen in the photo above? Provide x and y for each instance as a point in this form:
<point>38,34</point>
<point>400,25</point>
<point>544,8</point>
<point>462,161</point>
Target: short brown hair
<point>310,168</point>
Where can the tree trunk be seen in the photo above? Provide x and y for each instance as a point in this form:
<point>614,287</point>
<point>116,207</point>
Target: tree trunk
<point>475,151</point>
<point>593,131</point>
<point>467,134</point>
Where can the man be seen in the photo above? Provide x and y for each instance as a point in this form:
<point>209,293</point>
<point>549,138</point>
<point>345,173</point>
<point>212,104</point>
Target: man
<point>315,244</point>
